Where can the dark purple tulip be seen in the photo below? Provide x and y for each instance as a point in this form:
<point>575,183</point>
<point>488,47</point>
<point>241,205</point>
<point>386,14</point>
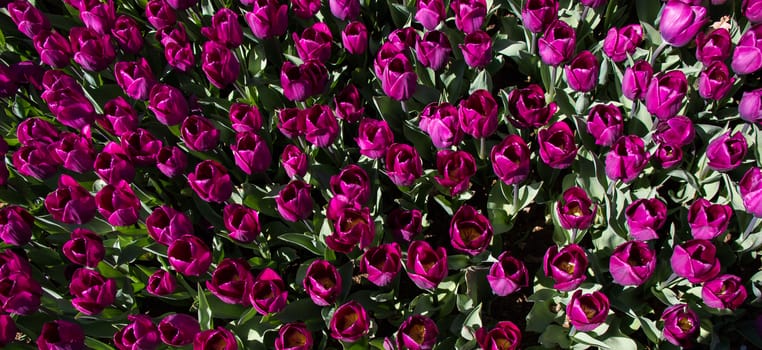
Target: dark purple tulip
<point>636,80</point>
<point>171,161</point>
<point>724,292</point>
<point>695,260</point>
<point>707,220</point>
<point>417,333</point>
<point>353,228</point>
<point>388,51</point>
<point>220,64</point>
<point>189,255</point>
<point>408,36</point>
<point>98,16</point>
<point>510,160</point>
<point>507,275</point>
<point>141,333</point>
<point>430,13</point>
<point>215,339</point>
<point>53,48</point>
<point>528,108</point>
<point>626,159</point>
<point>354,37</point>
<point>478,114</point>
<point>322,282</point>
<point>199,134</point>
<point>8,330</point>
<point>433,50</point>
<point>166,225</point>
<point>666,93</point>
<point>680,22</point>
<point>587,311</point>
<point>305,9</point>
<point>267,19</point>
<point>230,281</point>
<point>751,191</point>
<point>726,152</point>
<point>352,182</point>
<point>294,201</point>
<point>135,78</point>
<point>36,161</point>
<point>645,217</point>
<point>469,14</point>
<point>321,125</point>
<point>180,5</point>
<point>405,224</point>
<point>677,131</point>
<point>141,146</point>
<point>382,263</point>
<point>33,131</point>
<point>632,263</point>
<point>470,231</point>
<point>750,107</point>
<point>557,146</point>
<point>91,291</point>
<point>557,43</point>
<point>314,43</point>
<point>15,225</point>
<point>403,164</point>
<point>70,203</point>
<point>211,181</point>
<point>454,169</point>
<point>251,153</point>
<point>605,124</point>
<point>398,78</point>
<point>567,267</point>
<point>345,9</point>
<point>118,204</point>
<point>168,104</point>
<point>161,283</point>
<point>180,56</point>
<point>113,164</point>
<point>159,14</point>
<point>667,156</point>
<point>71,108</point>
<point>294,161</point>
<point>268,293</point>
<point>681,325</point>
<point>752,10</point>
<point>374,137</point>
<point>300,82</point>
<point>11,263</point>
<point>621,42</point>
<point>505,336</point>
<point>9,81</point>
<point>61,334</point>
<point>225,28</point>
<point>349,322</point>
<point>84,247</point>
<point>29,19</point>
<point>713,46</point>
<point>178,329</point>
<point>92,51</point>
<point>426,266</point>
<point>119,117</point>
<point>537,15</point>
<point>477,49</point>
<point>348,104</point>
<point>245,117</point>
<point>441,122</point>
<point>715,81</point>
<point>582,72</point>
<point>294,336</point>
<point>20,294</point>
<point>291,122</point>
<point>127,34</point>
<point>576,210</point>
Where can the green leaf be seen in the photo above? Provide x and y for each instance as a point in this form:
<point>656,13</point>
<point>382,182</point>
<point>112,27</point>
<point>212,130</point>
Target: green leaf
<point>95,344</point>
<point>472,319</point>
<point>305,241</point>
<point>204,311</point>
<point>585,338</point>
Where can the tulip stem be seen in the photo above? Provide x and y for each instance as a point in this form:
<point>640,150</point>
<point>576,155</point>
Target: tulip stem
<point>574,235</point>
<point>634,109</point>
<point>750,227</point>
<point>482,147</point>
<point>669,281</point>
<point>403,104</point>
<point>612,186</point>
<point>533,48</point>
<point>658,52</point>
<point>552,87</point>
<point>309,226</point>
<point>585,12</point>
<point>515,196</point>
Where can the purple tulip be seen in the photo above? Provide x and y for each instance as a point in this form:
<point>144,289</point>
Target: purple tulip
<point>113,164</point>
<point>36,161</point>
<point>92,51</point>
<point>15,225</point>
<point>241,222</point>
<point>441,122</point>
<point>752,10</point>
<point>141,333</point>
<point>230,281</point>
<point>354,37</point>
<point>135,78</point>
<point>567,267</point>
<point>178,329</point>
<point>348,104</point>
<point>724,292</point>
<point>469,14</point>
<point>245,117</point>
<point>557,43</point>
<point>454,169</point>
<point>118,204</point>
<point>681,325</point>
<point>98,16</point>
<point>403,164</point>
<point>605,124</point>
<point>300,82</point>
<point>218,339</point>
<point>632,263</point>
<point>294,201</point>
<point>398,78</point>
<point>707,220</point>
<point>141,146</point>
<point>70,106</point>
<point>557,146</point>
<point>626,159</point>
<point>582,72</point>
<point>382,263</point>
<point>587,311</point>
<point>225,28</point>
<point>426,266</point>
<point>470,231</point>
<point>20,293</point>
<point>478,114</point>
<point>322,282</point>
<point>189,255</point>
<point>161,283</point>
<point>268,293</point>
<point>747,56</point>
<point>677,131</point>
<point>507,275</point>
<point>576,210</point>
<point>667,156</point>
<point>29,19</point>
<point>621,42</point>
<point>528,108</point>
<point>666,93</point>
<point>84,247</point>
<point>321,125</point>
<point>349,322</point>
<point>645,217</point>
<point>726,152</point>
<point>165,225</point>
<point>434,50</point>
<point>168,104</point>
<point>294,161</point>
<point>430,13</point>
<point>70,203</point>
<point>715,81</point>
<point>345,10</point>
<point>211,181</point>
<point>91,291</point>
<point>61,334</point>
<point>537,15</point>
<point>696,260</point>
<point>294,336</point>
<point>267,19</point>
<point>8,330</point>
<point>33,131</point>
<point>374,138</point>
<point>53,48</point>
<point>751,191</point>
<point>9,81</point>
<point>388,51</point>
<point>314,43</point>
<point>251,153</point>
<point>405,224</point>
<point>505,336</point>
<point>510,160</point>
<point>353,228</point>
<point>477,49</point>
<point>305,9</point>
<point>680,22</point>
<point>220,64</point>
<point>636,80</point>
<point>171,161</point>
<point>750,107</point>
<point>119,117</point>
<point>713,46</point>
<point>127,34</point>
<point>417,333</point>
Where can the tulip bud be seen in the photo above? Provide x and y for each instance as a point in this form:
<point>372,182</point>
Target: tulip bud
<point>557,43</point>
<point>626,159</point>
<point>470,231</point>
<point>681,325</point>
<point>91,291</point>
<point>715,81</point>
<point>211,181</point>
<point>507,275</point>
<point>168,104</point>
<point>528,108</point>
<point>665,94</point>
<point>632,263</point>
<point>454,169</point>
<point>505,336</point>
<point>349,322</point>
<point>426,266</point>
<point>224,29</point>
<point>388,51</point>
<point>220,64</point>
<point>15,225</point>
<point>189,255</point>
<point>469,14</point>
<point>477,49</point>
<point>751,191</point>
<point>621,42</point>
<point>747,56</point>
<point>141,146</point>
<point>113,164</point>
<point>53,48</point>
<point>430,13</point>
<point>405,224</point>
<point>141,333</point>
<point>557,146</point>
<point>398,78</point>
<point>695,260</point>
<point>345,9</point>
<point>576,211</point>
<point>84,247</point>
<point>537,15</point>
<point>267,19</point>
<point>645,217</point>
<point>29,19</point>
<point>667,156</point>
<point>294,161</point>
<point>636,80</point>
<point>348,104</point>
<point>567,267</point>
<point>171,161</point>
<point>166,225</point>
<point>374,137</point>
<point>354,38</point>
<point>750,107</point>
<point>322,282</point>
<point>752,10</point>
<point>353,227</point>
<point>293,336</point>
<point>708,220</point>
<point>61,334</point>
<point>305,9</point>
<point>98,16</point>
<point>178,329</point>
<point>314,43</point>
<point>33,131</point>
<point>230,281</point>
<point>478,114</point>
<point>382,263</point>
<point>251,153</point>
<point>118,204</point>
<point>92,51</point>
<point>127,34</point>
<point>726,152</point>
<point>724,292</point>
<point>119,116</point>
<point>161,283</point>
<point>605,124</point>
<point>680,22</point>
<point>8,330</point>
<point>403,164</point>
<point>582,72</point>
<point>510,160</point>
<point>587,311</point>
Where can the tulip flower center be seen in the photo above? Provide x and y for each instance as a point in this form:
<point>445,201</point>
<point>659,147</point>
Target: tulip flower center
<point>428,262</point>
<point>351,222</point>
<point>326,282</point>
<point>418,333</point>
<point>469,233</point>
<point>265,293</point>
<point>348,320</point>
<point>685,324</point>
<point>502,343</point>
<point>590,311</point>
<point>575,209</point>
<point>217,342</point>
<point>567,266</point>
<point>294,338</point>
<point>635,259</point>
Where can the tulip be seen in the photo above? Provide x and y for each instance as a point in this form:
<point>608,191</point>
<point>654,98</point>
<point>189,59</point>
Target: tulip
<point>141,146</point>
<point>726,152</point>
<point>469,14</point>
<point>354,227</point>
<point>268,18</point>
<point>632,263</point>
<point>119,116</point>
<point>680,22</point>
<point>405,224</point>
<point>165,225</point>
<point>294,161</point>
<point>294,201</point>
<point>84,247</point>
<point>168,104</point>
<point>345,9</point>
<point>707,220</point>
<point>636,80</point>
<point>388,51</point>
<point>11,263</point>
<point>33,131</point>
<point>321,125</point>
<point>626,159</point>
<point>510,160</point>
<point>576,211</point>
<point>29,19</point>
<point>470,231</point>
<point>20,294</point>
<point>294,336</point>
<point>98,16</point>
<point>567,267</point>
<point>715,81</point>
<point>454,169</point>
<point>350,322</point>
<point>433,50</point>
<point>189,255</point>
<point>211,181</point>
<point>127,34</point>
<point>230,281</point>
<point>179,54</point>
<point>751,191</point>
<point>61,334</point>
<point>505,336</point>
<point>677,131</point>
<point>665,94</point>
<point>478,114</point>
<point>417,332</point>
<point>537,15</point>
<point>70,203</point>
<point>582,72</point>
<point>15,225</point>
<point>29,72</point>
<point>587,311</point>
<point>557,146</point>
<point>92,51</point>
<point>8,330</point>
<point>374,138</point>
<point>621,42</point>
<point>403,164</point>
<point>135,78</point>
<point>171,161</point>
<point>477,49</point>
<point>251,153</point>
<point>70,107</point>
<point>750,106</point>
<point>268,293</point>
<point>667,156</point>
<point>354,38</point>
<point>507,275</point>
<point>352,182</point>
<point>348,104</point>
<point>241,222</point>
<point>645,217</point>
<point>303,81</point>
<point>442,122</point>
<point>696,260</point>
<point>113,164</point>
<point>713,46</point>
<point>747,56</point>
<point>224,29</point>
<point>53,48</point>
<point>161,283</point>
<point>528,108</point>
<point>430,13</point>
<point>36,161</point>
<point>426,266</point>
<point>314,43</point>
<point>605,124</point>
<point>557,43</point>
<point>752,10</point>
<point>218,339</point>
<point>245,117</point>
<point>681,325</point>
<point>724,292</point>
<point>305,9</point>
<point>91,291</point>
<point>381,263</point>
<point>322,282</point>
<point>141,333</point>
<point>220,64</point>
<point>178,329</point>
<point>398,78</point>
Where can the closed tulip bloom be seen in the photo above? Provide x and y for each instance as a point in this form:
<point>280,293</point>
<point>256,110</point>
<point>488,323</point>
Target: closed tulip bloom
<point>53,48</point>
<point>15,225</point>
<point>8,330</point>
<point>353,228</point>
<point>178,329</point>
<point>557,43</point>
<point>388,51</point>
<point>35,130</point>
<point>268,293</point>
<point>667,156</point>
<point>11,263</point>
<point>36,161</point>
<point>750,106</point>
<point>707,220</point>
<point>470,231</point>
<point>20,294</point>
<point>680,22</point>
<point>636,80</point>
<point>715,81</point>
<point>294,336</point>
<point>681,325</point>
<point>354,37</point>
<point>189,255</point>
<point>582,72</point>
<point>632,263</point>
<point>220,64</point>
<point>84,247</point>
<point>135,78</point>
<point>241,222</point>
<point>161,283</point>
<point>645,217</point>
<point>349,322</point>
<point>557,146</point>
<point>429,13</point>
<point>120,117</point>
<point>113,164</point>
<point>587,311</point>
<point>621,42</point>
<point>231,281</point>
<point>374,138</point>
<point>118,204</point>
<point>752,10</point>
<point>314,43</point>
<point>567,267</point>
<point>398,78</point>
<point>426,266</point>
<point>677,131</point>
<point>322,282</point>
<point>726,152</point>
<point>403,164</point>
<point>165,225</point>
<point>141,333</point>
<point>352,182</point>
<point>348,104</point>
<point>507,275</point>
<point>713,46</point>
<point>92,51</point>
<point>441,121</point>
<point>70,107</point>
<point>267,19</point>
<point>478,114</point>
<point>294,161</point>
<point>98,16</point>
<point>294,201</point>
<point>168,104</point>
<point>405,224</point>
<point>433,50</point>
<point>695,260</point>
<point>724,292</point>
<point>61,334</point>
<point>225,28</point>
<point>666,93</point>
<point>576,210</point>
<point>417,333</point>
<point>127,34</point>
<point>321,125</point>
<point>171,161</point>
<point>180,56</point>
<point>605,124</point>
<point>454,169</point>
<point>345,9</point>
<point>477,49</point>
<point>626,159</point>
<point>305,9</point>
<point>751,191</point>
<point>91,291</point>
<point>537,15</point>
<point>407,36</point>
<point>504,336</point>
<point>747,56</point>
<point>382,263</point>
<point>295,83</point>
<point>218,339</point>
<point>251,153</point>
<point>510,160</point>
<point>141,146</point>
<point>469,14</point>
<point>159,14</point>
<point>528,108</point>
<point>211,181</point>
<point>245,117</point>
<point>70,203</point>
<point>28,19</point>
